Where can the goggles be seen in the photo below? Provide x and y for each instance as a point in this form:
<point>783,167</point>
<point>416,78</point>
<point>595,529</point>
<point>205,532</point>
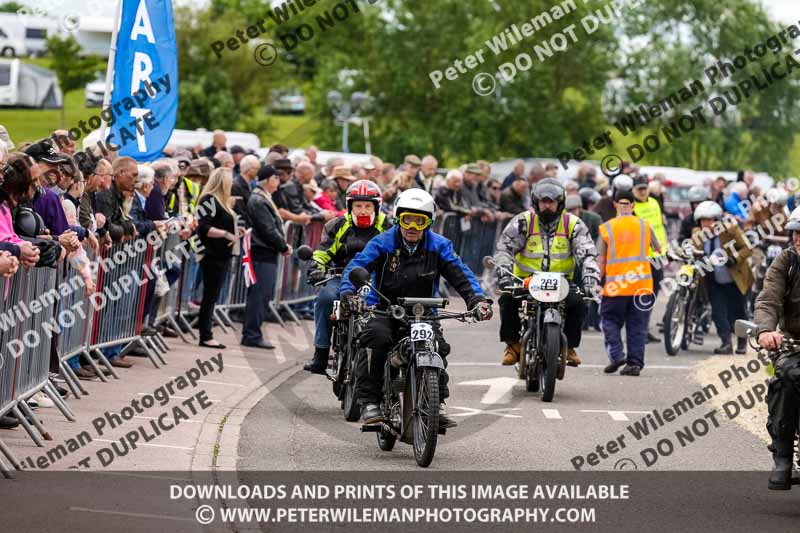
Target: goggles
<point>414,221</point>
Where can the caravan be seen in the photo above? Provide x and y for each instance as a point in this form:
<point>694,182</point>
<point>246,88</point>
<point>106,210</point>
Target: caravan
<point>23,85</point>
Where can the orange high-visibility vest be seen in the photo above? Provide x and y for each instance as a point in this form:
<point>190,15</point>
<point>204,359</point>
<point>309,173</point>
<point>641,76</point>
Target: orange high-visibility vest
<point>628,271</point>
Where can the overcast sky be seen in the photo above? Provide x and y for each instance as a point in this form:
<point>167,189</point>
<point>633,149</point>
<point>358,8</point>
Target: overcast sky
<point>786,11</point>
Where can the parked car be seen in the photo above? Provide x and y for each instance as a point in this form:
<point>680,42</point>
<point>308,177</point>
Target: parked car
<point>288,102</point>
<point>95,90</point>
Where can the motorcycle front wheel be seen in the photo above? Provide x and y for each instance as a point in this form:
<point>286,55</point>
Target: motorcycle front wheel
<point>551,351</point>
<point>675,322</point>
<point>349,403</point>
<point>426,417</point>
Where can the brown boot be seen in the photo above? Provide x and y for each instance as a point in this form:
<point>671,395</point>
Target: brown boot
<point>511,355</point>
<point>572,358</point>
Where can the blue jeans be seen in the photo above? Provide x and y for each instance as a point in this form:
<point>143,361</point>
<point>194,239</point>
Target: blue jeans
<point>258,297</point>
<point>628,311</point>
<point>323,307</point>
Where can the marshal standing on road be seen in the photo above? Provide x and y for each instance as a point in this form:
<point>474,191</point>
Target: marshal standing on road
<point>406,262</point>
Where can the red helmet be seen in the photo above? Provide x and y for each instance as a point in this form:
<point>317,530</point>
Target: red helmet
<point>363,191</point>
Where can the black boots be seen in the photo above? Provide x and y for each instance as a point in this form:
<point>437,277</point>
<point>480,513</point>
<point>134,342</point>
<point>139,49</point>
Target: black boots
<point>781,476</point>
<point>319,363</point>
<point>741,345</point>
<point>726,348</point>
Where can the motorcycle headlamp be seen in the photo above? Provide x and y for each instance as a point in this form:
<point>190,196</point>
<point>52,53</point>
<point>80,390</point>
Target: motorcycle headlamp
<point>408,220</point>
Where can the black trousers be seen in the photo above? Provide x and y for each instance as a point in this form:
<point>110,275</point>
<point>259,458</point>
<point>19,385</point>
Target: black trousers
<point>510,323</point>
<point>213,276</point>
<point>378,337</point>
<point>783,399</point>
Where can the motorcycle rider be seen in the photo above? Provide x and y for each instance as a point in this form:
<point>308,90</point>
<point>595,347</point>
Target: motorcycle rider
<point>776,307</point>
<point>342,239</point>
<point>406,261</point>
<point>546,239</point>
<point>696,196</point>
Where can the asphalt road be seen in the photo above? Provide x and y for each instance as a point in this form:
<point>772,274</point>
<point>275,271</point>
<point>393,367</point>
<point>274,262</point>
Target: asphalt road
<point>299,425</point>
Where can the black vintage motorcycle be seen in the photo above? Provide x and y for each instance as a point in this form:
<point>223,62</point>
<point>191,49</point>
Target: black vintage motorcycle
<point>789,346</point>
<point>544,346</point>
<point>344,343</point>
<point>687,317</point>
<point>410,399</point>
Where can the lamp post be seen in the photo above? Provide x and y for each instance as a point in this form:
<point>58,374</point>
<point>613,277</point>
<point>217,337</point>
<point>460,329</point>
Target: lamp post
<point>346,113</point>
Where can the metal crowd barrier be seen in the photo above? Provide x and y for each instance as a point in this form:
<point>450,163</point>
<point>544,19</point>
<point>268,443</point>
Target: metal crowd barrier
<point>124,287</point>
<point>169,309</point>
<point>291,287</point>
<point>27,337</point>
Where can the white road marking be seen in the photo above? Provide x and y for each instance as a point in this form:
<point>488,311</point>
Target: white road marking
<point>154,418</point>
<point>153,445</point>
<point>176,397</point>
<point>583,365</point>
<point>495,412</point>
<point>214,382</point>
<point>133,515</point>
<point>618,416</point>
<point>499,389</point>
<point>552,414</point>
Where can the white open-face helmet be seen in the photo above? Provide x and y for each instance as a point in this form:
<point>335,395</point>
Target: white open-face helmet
<point>698,194</point>
<point>777,196</point>
<point>793,224</point>
<point>708,209</point>
<point>415,201</point>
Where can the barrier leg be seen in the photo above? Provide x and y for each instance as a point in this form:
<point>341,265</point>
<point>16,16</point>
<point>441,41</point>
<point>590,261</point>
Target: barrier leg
<point>5,450</point>
<point>226,317</point>
<point>5,471</point>
<point>72,380</point>
<point>100,355</point>
<point>53,394</point>
<point>276,312</point>
<point>177,329</point>
<point>36,422</point>
<point>25,424</point>
<point>147,350</point>
<point>219,321</point>
<point>154,348</point>
<point>188,326</point>
<point>292,315</point>
<point>94,366</point>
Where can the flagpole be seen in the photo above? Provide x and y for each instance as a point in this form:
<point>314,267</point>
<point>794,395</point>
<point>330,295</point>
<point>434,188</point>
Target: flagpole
<point>110,72</point>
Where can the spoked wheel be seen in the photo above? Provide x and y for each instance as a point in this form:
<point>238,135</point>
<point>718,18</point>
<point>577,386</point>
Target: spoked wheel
<point>551,353</point>
<point>674,323</point>
<point>349,403</point>
<point>426,420</point>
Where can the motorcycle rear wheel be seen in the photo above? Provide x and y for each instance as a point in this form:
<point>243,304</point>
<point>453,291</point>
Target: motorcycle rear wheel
<point>426,420</point>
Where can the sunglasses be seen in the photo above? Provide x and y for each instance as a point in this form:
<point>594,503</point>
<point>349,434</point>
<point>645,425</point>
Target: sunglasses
<point>624,203</point>
<point>414,221</point>
<point>494,188</point>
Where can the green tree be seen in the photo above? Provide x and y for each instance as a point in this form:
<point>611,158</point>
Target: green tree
<point>11,7</point>
<point>73,71</point>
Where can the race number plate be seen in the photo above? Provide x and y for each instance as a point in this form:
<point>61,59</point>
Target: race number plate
<point>336,309</point>
<point>429,359</point>
<point>421,332</point>
<point>548,287</point>
<point>687,270</point>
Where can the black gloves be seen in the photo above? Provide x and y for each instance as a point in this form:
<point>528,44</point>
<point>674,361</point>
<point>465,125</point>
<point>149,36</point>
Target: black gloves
<point>315,275</point>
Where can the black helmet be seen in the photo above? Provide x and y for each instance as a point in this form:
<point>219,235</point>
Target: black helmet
<point>551,191</point>
<point>589,196</point>
<point>28,223</point>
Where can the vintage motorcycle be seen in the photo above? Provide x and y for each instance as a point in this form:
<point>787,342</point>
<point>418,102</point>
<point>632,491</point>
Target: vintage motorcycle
<point>687,317</point>
<point>544,345</point>
<point>410,397</point>
<point>789,346</point>
<point>344,343</point>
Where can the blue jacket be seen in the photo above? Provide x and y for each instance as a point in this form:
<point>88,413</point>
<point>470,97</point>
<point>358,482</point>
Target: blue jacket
<point>397,274</point>
<point>734,206</point>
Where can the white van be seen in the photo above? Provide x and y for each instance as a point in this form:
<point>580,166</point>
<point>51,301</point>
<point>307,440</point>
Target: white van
<point>191,138</point>
<point>24,85</point>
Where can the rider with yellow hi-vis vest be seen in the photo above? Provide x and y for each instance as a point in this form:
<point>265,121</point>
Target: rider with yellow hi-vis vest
<point>548,239</point>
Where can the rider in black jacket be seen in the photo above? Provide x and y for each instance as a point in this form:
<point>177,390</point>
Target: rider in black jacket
<point>342,239</point>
